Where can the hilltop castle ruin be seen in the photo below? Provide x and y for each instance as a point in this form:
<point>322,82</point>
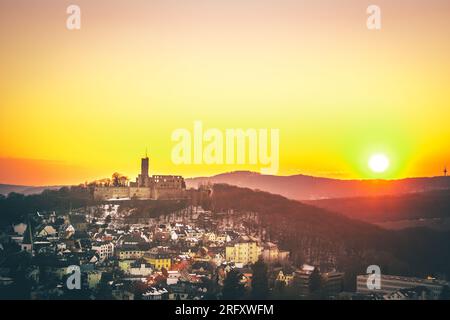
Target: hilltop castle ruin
<point>145,187</point>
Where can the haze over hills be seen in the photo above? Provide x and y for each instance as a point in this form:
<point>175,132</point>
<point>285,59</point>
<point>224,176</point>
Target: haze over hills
<point>414,206</point>
<point>302,187</point>
<point>8,188</point>
<point>297,187</point>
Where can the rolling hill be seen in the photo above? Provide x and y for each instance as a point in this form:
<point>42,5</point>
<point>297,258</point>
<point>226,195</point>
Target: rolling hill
<point>423,205</point>
<point>8,188</point>
<point>319,236</point>
<point>301,187</point>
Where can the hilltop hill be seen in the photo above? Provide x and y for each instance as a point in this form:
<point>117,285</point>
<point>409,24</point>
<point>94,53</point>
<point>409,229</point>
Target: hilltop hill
<point>8,188</point>
<point>430,204</point>
<point>320,237</point>
<point>302,187</point>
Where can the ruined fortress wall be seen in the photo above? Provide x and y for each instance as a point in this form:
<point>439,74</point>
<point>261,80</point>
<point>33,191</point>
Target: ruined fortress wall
<point>141,193</point>
<point>104,193</point>
<point>165,194</point>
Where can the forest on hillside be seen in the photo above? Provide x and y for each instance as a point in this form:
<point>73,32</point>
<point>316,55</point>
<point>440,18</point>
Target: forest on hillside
<point>15,206</point>
<point>324,238</point>
<point>418,205</point>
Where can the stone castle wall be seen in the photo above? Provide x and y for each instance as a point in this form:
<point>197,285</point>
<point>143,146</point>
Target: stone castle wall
<point>141,193</point>
<point>107,193</point>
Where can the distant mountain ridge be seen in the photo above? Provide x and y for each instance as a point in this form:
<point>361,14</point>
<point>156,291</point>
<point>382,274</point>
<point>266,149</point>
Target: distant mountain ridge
<point>303,187</point>
<point>8,188</point>
<point>297,187</point>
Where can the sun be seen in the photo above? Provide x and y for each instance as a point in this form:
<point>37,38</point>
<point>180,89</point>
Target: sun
<point>378,163</point>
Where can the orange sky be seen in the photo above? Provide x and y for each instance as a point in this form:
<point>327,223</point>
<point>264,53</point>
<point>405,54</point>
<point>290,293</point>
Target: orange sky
<point>79,105</point>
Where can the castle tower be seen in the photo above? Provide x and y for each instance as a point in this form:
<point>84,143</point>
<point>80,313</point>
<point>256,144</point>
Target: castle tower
<point>144,177</point>
<point>144,167</point>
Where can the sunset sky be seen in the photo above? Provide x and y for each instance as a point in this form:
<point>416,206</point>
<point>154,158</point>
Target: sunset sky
<point>80,105</point>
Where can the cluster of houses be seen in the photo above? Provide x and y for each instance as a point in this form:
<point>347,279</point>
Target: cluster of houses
<point>183,255</point>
